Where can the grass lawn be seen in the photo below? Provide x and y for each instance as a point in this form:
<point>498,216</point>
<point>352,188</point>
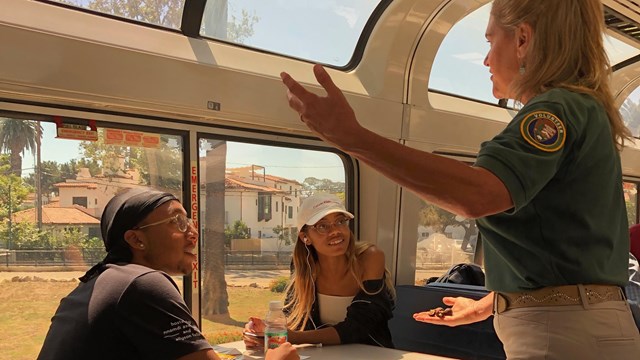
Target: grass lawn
<point>27,308</point>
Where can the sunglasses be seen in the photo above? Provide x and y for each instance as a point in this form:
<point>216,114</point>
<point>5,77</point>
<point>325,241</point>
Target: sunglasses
<point>325,226</point>
<point>180,220</point>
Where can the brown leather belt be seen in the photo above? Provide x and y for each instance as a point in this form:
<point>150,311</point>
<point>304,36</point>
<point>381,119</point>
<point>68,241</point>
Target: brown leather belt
<point>557,296</point>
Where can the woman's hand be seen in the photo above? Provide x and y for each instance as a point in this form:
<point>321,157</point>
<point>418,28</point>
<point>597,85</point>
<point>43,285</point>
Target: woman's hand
<point>282,352</point>
<point>330,117</point>
<point>253,335</point>
<point>463,311</point>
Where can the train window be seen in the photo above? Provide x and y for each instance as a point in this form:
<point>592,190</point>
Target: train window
<point>444,239</point>
<point>52,194</point>
<point>458,68</point>
<point>249,200</point>
<point>631,199</point>
<point>325,31</point>
<point>630,111</point>
<point>165,13</point>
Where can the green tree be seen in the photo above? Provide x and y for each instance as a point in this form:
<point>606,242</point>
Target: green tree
<point>159,167</point>
<point>50,174</point>
<point>17,136</point>
<point>238,230</point>
<point>70,236</point>
<point>70,169</point>
<point>93,243</point>
<point>216,24</point>
<point>631,201</point>
<point>108,156</point>
<point>238,30</point>
<point>53,173</point>
<point>631,213</point>
<point>312,185</point>
<point>286,235</point>
<point>13,190</point>
<point>166,13</point>
<point>25,235</point>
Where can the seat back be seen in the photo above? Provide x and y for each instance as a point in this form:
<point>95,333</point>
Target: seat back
<point>473,341</point>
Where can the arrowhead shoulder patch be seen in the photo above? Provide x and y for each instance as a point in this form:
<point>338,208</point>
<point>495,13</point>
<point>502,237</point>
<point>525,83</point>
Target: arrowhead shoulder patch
<point>544,131</point>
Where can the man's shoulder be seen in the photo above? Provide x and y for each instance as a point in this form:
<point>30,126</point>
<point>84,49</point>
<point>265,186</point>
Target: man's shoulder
<point>123,275</point>
<point>125,271</point>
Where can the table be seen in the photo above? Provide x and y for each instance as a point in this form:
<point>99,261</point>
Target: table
<point>346,352</point>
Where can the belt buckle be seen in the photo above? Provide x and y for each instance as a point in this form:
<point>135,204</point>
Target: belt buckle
<point>502,303</point>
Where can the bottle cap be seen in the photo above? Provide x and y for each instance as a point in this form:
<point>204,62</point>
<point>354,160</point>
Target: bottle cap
<point>275,305</point>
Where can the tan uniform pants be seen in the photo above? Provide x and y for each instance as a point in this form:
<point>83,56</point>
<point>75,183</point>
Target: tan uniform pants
<point>599,332</point>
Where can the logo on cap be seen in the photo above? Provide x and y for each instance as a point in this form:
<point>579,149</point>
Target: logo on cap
<point>326,202</point>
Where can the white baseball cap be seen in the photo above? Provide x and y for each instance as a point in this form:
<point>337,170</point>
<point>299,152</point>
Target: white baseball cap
<point>318,206</point>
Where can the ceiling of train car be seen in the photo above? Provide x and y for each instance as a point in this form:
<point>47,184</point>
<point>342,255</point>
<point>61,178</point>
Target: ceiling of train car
<point>623,18</point>
<point>623,25</point>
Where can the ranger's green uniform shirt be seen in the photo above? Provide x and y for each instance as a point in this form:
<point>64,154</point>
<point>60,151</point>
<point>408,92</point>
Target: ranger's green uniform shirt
<point>569,223</point>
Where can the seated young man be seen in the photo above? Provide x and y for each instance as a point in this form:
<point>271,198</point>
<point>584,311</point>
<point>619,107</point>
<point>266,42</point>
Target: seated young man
<point>127,306</point>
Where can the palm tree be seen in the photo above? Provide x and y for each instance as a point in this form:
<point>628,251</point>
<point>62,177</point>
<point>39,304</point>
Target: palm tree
<point>16,136</point>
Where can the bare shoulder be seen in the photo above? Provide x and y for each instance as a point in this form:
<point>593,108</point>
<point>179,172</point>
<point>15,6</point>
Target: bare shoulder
<point>372,263</point>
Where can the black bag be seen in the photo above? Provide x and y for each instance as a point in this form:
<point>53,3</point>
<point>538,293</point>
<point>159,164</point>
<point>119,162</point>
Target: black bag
<point>465,273</point>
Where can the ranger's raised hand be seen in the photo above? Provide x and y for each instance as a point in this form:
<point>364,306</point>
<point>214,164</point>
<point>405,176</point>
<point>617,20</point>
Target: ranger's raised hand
<point>330,117</point>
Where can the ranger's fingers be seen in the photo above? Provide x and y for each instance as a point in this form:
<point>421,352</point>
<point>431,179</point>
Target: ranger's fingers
<point>296,90</point>
<point>449,301</point>
<point>325,80</point>
<point>294,102</point>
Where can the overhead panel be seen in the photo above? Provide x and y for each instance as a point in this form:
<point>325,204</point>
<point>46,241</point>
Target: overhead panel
<point>623,16</point>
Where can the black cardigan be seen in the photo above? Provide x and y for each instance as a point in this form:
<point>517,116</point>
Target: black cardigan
<point>367,320</point>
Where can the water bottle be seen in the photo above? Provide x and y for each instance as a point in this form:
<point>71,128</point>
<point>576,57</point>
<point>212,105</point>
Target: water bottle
<point>275,332</point>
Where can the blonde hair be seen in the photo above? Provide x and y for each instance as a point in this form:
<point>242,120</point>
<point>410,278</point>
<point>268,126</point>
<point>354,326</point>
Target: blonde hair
<point>302,284</point>
<point>566,51</point>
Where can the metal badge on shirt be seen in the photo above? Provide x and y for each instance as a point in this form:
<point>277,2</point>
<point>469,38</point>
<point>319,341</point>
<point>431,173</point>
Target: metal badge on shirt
<point>543,130</point>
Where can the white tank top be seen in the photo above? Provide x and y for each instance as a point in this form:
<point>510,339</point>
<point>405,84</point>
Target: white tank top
<point>333,309</point>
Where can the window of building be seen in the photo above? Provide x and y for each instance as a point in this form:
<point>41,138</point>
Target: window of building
<point>290,212</point>
<point>79,200</point>
<point>94,232</point>
<point>264,207</point>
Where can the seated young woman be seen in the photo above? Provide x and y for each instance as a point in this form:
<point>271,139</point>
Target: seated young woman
<point>340,291</point>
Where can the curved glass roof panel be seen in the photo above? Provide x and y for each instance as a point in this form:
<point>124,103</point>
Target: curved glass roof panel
<point>319,31</point>
<point>458,68</point>
<point>165,13</point>
<point>630,111</point>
